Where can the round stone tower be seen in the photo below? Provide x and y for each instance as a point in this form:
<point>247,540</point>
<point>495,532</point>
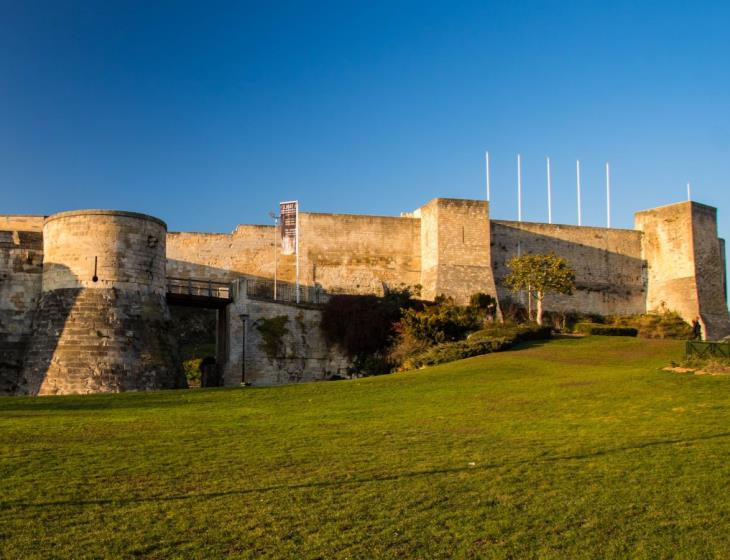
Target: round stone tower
<point>103,324</point>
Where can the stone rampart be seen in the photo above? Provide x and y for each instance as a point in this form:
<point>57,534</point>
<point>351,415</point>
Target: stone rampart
<point>21,222</point>
<point>359,254</point>
<point>223,257</point>
<point>96,319</point>
<point>21,261</point>
<point>610,275</point>
<point>302,355</point>
<point>339,252</point>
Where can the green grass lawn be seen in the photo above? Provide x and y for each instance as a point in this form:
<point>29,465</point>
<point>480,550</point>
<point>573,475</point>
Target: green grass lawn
<point>568,449</point>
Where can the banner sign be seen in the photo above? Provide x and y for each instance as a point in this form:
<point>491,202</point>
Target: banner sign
<point>288,212</point>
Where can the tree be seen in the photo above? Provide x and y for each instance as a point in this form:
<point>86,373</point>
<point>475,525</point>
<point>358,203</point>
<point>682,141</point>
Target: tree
<point>540,275</point>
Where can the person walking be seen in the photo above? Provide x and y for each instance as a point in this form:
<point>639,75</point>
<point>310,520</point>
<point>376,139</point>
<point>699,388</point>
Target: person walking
<point>696,329</point>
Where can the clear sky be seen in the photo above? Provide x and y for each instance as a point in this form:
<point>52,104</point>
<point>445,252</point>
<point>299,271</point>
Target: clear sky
<point>207,114</point>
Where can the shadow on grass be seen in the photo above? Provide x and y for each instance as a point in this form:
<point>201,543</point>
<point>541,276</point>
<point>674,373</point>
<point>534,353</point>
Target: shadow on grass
<point>529,344</point>
<point>167,398</point>
<point>357,481</point>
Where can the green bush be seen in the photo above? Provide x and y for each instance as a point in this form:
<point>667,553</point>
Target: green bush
<point>405,349</point>
<point>492,338</point>
<point>451,351</point>
<point>192,370</point>
<point>605,330</point>
<point>666,325</point>
<point>485,305</point>
<point>441,322</point>
<point>513,332</point>
<point>364,326</point>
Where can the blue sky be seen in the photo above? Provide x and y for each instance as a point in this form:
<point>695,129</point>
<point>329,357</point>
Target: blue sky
<point>207,114</point>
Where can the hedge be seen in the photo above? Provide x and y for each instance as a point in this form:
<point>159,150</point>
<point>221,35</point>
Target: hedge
<point>491,339</point>
<point>605,330</point>
<point>513,333</point>
<point>451,351</point>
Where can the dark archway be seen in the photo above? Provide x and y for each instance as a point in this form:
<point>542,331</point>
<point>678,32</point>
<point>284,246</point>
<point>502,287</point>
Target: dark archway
<point>199,311</point>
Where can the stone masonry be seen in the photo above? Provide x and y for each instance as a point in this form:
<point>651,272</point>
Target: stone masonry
<point>102,322</point>
<point>83,294</point>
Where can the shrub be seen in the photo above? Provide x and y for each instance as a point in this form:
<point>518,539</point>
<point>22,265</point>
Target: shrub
<point>191,368</point>
<point>405,348</point>
<point>441,322</point>
<point>513,332</point>
<point>364,327</point>
<point>482,301</point>
<point>566,320</point>
<point>513,311</point>
<point>493,338</point>
<point>706,365</point>
<point>451,351</point>
<point>605,330</point>
<point>667,325</point>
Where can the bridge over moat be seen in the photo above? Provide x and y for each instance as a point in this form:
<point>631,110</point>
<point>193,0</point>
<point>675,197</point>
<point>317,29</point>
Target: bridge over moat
<point>198,292</point>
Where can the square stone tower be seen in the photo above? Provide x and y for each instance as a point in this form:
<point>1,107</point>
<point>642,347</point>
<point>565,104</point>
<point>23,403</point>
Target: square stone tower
<point>686,264</point>
<point>456,258</point>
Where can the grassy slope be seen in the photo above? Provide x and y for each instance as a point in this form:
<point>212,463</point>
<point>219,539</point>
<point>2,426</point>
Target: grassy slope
<point>575,448</point>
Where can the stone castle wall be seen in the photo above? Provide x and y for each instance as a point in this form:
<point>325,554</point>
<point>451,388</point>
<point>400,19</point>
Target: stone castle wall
<point>608,264</point>
<point>451,247</point>
<point>339,252</point>
<point>359,254</point>
<point>21,265</point>
<point>248,251</point>
<point>93,317</point>
<point>303,355</point>
<point>21,222</point>
<point>723,256</point>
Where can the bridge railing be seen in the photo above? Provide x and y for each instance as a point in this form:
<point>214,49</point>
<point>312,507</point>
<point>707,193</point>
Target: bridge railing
<point>285,292</point>
<point>200,288</point>
<point>708,349</point>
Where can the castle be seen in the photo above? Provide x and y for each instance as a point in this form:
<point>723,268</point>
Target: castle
<point>85,295</point>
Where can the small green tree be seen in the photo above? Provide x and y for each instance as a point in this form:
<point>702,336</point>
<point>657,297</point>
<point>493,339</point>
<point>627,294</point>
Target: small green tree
<point>540,275</point>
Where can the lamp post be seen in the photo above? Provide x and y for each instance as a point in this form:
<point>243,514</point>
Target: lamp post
<point>274,217</point>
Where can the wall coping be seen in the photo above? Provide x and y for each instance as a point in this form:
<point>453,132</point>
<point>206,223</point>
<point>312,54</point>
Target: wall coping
<point>118,213</point>
<point>681,203</point>
<point>566,226</point>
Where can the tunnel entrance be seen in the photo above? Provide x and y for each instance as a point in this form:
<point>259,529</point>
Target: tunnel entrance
<point>199,315</point>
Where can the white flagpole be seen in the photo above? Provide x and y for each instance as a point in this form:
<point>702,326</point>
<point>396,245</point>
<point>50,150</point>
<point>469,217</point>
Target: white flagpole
<point>689,192</point>
<point>608,195</point>
<point>486,158</point>
<point>577,178</point>
<point>550,194</point>
<point>519,188</point>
